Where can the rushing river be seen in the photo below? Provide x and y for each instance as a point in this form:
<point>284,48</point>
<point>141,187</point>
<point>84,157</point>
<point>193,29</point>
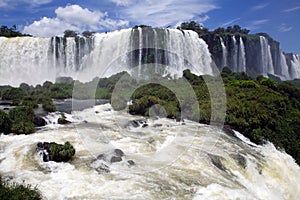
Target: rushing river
<point>173,160</point>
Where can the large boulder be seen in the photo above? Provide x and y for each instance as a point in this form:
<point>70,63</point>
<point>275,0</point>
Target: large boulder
<point>39,121</point>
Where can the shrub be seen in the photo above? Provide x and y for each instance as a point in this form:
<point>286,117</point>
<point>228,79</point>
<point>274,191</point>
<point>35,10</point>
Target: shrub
<point>61,153</point>
<point>29,101</point>
<point>269,83</point>
<point>22,120</point>
<point>13,94</point>
<point>5,123</point>
<point>16,191</point>
<point>48,104</point>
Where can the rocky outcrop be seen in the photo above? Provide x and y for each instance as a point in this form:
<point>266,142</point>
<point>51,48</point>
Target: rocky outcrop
<point>254,54</point>
<point>55,152</point>
<point>39,121</point>
<point>103,161</point>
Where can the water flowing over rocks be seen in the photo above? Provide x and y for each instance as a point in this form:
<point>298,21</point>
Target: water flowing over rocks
<point>103,161</point>
<point>171,161</point>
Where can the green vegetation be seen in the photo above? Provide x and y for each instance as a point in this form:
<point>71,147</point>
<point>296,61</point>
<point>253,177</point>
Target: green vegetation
<point>5,122</point>
<point>10,32</point>
<point>21,120</point>
<point>61,153</point>
<point>202,31</point>
<point>14,191</point>
<point>261,109</point>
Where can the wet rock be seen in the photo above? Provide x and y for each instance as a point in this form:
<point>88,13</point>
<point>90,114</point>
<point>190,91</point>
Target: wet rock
<point>112,157</point>
<point>62,120</point>
<point>228,130</point>
<point>103,169</point>
<point>115,159</point>
<point>157,125</point>
<point>137,123</point>
<point>216,161</point>
<point>43,149</point>
<point>241,160</point>
<point>119,152</point>
<point>39,121</point>
<point>131,162</point>
<point>100,157</point>
<point>104,160</point>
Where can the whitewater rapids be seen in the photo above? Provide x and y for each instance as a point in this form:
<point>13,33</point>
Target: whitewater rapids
<point>174,160</point>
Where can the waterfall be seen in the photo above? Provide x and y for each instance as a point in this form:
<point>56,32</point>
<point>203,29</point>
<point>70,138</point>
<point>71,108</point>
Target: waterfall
<point>266,57</point>
<point>284,67</point>
<point>234,57</point>
<point>241,57</point>
<point>224,53</point>
<point>169,51</point>
<point>140,49</point>
<point>25,59</point>
<point>295,66</point>
<point>155,41</point>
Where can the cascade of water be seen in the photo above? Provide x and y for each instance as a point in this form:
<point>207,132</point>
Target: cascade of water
<point>266,57</point>
<point>84,58</point>
<point>224,53</point>
<point>109,55</point>
<point>140,50</point>
<point>230,169</point>
<point>156,50</point>
<point>283,66</point>
<point>234,58</point>
<point>25,59</point>
<point>241,57</point>
<point>70,50</point>
<point>295,66</point>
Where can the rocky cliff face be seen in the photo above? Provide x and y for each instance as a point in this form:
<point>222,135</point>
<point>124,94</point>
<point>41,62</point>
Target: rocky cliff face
<point>254,54</point>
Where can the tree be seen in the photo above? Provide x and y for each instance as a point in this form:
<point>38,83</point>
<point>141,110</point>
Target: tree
<point>88,34</point>
<point>236,29</point>
<point>219,30</point>
<point>70,33</point>
<point>24,87</point>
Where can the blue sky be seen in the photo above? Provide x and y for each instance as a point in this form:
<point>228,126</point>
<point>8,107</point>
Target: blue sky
<point>279,18</point>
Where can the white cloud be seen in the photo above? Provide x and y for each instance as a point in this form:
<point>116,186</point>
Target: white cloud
<point>123,2</point>
<point>257,23</point>
<point>230,22</point>
<point>260,6</point>
<point>78,15</point>
<point>36,2</point>
<point>75,18</point>
<point>284,28</point>
<point>3,3</point>
<point>164,13</point>
<point>292,9</point>
<point>260,22</point>
<point>47,27</point>
<point>8,3</point>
